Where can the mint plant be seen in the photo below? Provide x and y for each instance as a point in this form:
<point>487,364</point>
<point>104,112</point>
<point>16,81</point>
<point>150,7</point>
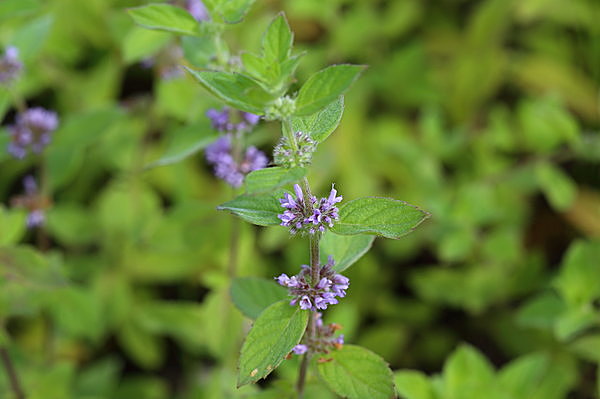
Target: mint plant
<point>260,86</point>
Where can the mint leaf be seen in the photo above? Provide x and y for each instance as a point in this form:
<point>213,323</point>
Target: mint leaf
<point>357,373</point>
<point>232,11</point>
<point>252,295</point>
<point>269,179</point>
<point>236,90</point>
<point>345,249</point>
<point>165,17</point>
<point>276,331</point>
<point>261,210</point>
<point>386,217</point>
<point>277,41</point>
<point>322,123</point>
<point>325,86</point>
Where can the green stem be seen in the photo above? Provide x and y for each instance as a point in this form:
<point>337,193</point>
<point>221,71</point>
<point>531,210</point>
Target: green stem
<point>11,372</point>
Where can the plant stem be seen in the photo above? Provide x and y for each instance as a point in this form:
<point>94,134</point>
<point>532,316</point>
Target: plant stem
<point>12,374</point>
<point>234,243</point>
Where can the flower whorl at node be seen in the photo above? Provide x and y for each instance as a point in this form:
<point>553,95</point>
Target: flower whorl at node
<point>32,130</point>
<point>324,339</point>
<point>315,295</point>
<point>231,121</point>
<point>288,156</point>
<point>309,215</point>
<point>33,201</point>
<point>10,65</point>
<point>219,154</point>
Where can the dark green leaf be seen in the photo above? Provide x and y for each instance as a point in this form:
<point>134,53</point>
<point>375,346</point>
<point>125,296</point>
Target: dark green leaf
<point>325,86</point>
<point>252,295</point>
<point>386,217</point>
<point>234,89</point>
<point>269,179</point>
<point>357,373</point>
<point>257,209</point>
<point>345,249</point>
<point>165,17</point>
<point>276,331</point>
<point>322,123</point>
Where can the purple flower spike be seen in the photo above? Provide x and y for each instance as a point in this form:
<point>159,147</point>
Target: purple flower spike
<point>10,65</point>
<point>324,340</point>
<point>231,121</point>
<point>310,216</point>
<point>219,154</point>
<point>31,132</point>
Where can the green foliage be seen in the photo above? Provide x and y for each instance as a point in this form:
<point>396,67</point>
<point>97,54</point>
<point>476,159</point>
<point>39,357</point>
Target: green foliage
<point>270,179</point>
<point>322,123</point>
<point>346,250</point>
<point>165,17</point>
<point>274,333</point>
<point>261,209</point>
<point>252,295</point>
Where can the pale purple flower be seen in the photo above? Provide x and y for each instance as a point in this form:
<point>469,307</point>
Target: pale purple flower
<point>300,349</point>
<point>36,218</point>
<point>315,296</point>
<point>310,216</point>
<point>219,154</point>
<point>32,131</point>
<point>33,201</point>
<point>324,339</point>
<point>198,10</point>
<point>10,65</point>
<point>230,121</point>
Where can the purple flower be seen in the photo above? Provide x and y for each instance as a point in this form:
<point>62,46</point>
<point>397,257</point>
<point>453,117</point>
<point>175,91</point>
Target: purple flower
<point>32,131</point>
<point>289,155</point>
<point>33,201</point>
<point>315,296</point>
<point>10,65</point>
<point>300,349</point>
<point>230,121</point>
<point>324,339</point>
<point>219,154</point>
<point>198,10</point>
<point>309,216</point>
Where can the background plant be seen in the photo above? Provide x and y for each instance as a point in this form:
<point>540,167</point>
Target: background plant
<point>482,112</point>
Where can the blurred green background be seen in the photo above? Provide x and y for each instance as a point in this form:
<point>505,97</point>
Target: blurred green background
<point>485,113</point>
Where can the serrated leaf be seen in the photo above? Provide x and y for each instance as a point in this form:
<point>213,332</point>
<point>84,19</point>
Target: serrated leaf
<point>277,41</point>
<point>165,17</point>
<point>345,249</point>
<point>357,373</point>
<point>386,217</point>
<point>261,209</point>
<point>269,179</point>
<point>325,86</point>
<point>233,11</point>
<point>236,90</point>
<point>252,295</point>
<point>276,331</point>
<point>186,142</point>
<point>322,123</point>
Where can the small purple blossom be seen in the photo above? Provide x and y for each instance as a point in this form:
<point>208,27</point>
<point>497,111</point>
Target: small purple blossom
<point>230,121</point>
<point>198,10</point>
<point>219,154</point>
<point>323,341</point>
<point>32,131</point>
<point>33,201</point>
<point>309,216</point>
<point>315,296</point>
<point>10,65</point>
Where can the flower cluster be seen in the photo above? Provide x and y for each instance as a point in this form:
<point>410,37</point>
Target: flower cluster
<point>10,65</point>
<point>324,339</point>
<point>220,155</point>
<point>309,214</point>
<point>32,130</point>
<point>198,10</point>
<point>287,155</point>
<point>33,201</point>
<point>231,121</point>
<point>315,295</point>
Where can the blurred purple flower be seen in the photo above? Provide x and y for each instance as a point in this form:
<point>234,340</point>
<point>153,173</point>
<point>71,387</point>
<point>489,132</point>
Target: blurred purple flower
<point>32,131</point>
<point>230,121</point>
<point>198,10</point>
<point>10,65</point>
<point>219,154</point>
<point>33,201</point>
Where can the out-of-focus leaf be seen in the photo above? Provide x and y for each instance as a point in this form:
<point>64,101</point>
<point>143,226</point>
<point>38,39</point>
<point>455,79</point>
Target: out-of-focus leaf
<point>584,212</point>
<point>165,17</point>
<point>386,217</point>
<point>276,331</point>
<point>579,273</point>
<point>559,188</point>
<point>322,123</point>
<point>467,373</point>
<point>232,11</point>
<point>356,373</point>
<point>12,225</point>
<point>141,43</point>
<point>31,38</point>
<point>14,8</point>
<point>413,385</point>
<point>252,295</point>
<point>346,250</point>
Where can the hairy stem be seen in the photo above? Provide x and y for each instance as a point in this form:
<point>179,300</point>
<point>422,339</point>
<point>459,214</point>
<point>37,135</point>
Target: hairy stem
<point>12,374</point>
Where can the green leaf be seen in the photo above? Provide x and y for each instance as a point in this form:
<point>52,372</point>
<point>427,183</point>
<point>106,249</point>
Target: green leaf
<point>558,187</point>
<point>277,41</point>
<point>578,279</point>
<point>12,225</point>
<point>30,38</point>
<point>13,8</point>
<point>269,179</point>
<point>140,43</point>
<point>357,373</point>
<point>276,331</point>
<point>345,249</point>
<point>252,295</point>
<point>413,385</point>
<point>325,86</point>
<point>232,11</point>
<point>186,142</point>
<point>467,371</point>
<point>165,17</point>
<point>236,90</point>
<point>386,217</point>
<point>322,123</point>
<point>257,209</point>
